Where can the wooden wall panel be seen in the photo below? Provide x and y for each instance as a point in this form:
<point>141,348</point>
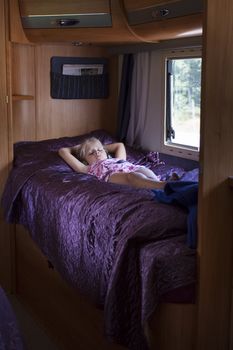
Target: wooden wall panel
<point>23,120</point>
<point>5,230</point>
<point>173,28</point>
<point>23,71</point>
<point>57,117</point>
<point>3,101</point>
<point>215,195</point>
<point>23,92</point>
<point>15,26</point>
<point>173,326</point>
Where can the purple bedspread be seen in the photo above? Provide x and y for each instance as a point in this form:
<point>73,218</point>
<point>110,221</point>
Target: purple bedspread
<point>10,337</point>
<point>114,243</point>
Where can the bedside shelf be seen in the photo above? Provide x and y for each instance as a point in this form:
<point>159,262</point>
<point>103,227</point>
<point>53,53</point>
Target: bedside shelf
<point>22,97</point>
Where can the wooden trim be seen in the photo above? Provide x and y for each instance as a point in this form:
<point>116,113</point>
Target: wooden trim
<point>17,34</point>
<point>22,97</point>
<point>215,222</point>
<point>23,92</point>
<point>6,258</point>
<point>173,28</point>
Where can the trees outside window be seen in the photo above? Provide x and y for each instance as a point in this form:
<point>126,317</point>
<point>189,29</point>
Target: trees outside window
<point>183,98</point>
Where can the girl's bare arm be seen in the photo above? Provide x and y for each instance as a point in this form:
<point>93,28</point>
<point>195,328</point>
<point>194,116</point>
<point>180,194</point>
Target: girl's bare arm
<point>118,149</point>
<point>72,161</point>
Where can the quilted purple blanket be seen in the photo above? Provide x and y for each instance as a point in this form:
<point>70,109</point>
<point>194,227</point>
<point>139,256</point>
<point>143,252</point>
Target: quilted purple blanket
<point>114,243</point>
<point>10,337</point>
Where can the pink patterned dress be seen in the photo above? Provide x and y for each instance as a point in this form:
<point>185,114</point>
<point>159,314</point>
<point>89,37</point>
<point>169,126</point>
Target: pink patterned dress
<point>105,168</point>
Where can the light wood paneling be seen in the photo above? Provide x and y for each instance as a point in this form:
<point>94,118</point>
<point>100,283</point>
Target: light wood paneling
<point>56,117</point>
<point>23,117</point>
<point>169,29</point>
<point>46,7</point>
<point>16,31</point>
<point>22,97</point>
<point>108,36</point>
<point>23,71</point>
<point>3,101</point>
<point>173,326</point>
<point>23,92</point>
<point>5,237</point>
<point>215,195</point>
<point>35,115</point>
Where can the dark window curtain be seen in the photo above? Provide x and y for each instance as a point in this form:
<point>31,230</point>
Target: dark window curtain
<point>124,97</point>
<point>170,132</point>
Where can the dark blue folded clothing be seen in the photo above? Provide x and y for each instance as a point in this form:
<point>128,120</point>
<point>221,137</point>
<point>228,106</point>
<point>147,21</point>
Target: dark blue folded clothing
<point>184,193</point>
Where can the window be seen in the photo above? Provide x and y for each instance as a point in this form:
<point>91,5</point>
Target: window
<point>183,97</point>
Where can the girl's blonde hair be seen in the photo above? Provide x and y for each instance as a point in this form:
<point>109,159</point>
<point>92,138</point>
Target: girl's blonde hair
<point>82,151</point>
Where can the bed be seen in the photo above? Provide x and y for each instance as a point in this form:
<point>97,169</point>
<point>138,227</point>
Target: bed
<point>119,246</point>
<point>10,336</point>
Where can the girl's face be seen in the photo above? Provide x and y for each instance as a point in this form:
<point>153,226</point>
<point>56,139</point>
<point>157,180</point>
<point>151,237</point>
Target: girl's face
<point>95,152</point>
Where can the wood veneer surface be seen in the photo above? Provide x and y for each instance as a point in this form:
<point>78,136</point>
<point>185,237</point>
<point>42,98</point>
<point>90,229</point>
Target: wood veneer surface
<point>57,117</point>
<point>5,236</point>
<point>215,195</point>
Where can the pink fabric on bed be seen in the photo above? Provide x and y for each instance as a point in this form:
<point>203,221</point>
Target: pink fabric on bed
<point>105,168</point>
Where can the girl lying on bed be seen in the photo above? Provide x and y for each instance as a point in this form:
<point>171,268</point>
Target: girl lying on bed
<point>92,157</point>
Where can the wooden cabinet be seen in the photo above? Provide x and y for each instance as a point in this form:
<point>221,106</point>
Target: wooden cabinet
<point>162,20</point>
<point>17,122</point>
<point>53,7</point>
<point>125,22</point>
<point>63,14</point>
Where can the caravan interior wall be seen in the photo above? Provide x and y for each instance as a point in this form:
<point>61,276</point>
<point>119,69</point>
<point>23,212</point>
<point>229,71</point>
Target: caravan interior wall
<point>29,113</point>
<point>56,117</point>
<point>5,243</point>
